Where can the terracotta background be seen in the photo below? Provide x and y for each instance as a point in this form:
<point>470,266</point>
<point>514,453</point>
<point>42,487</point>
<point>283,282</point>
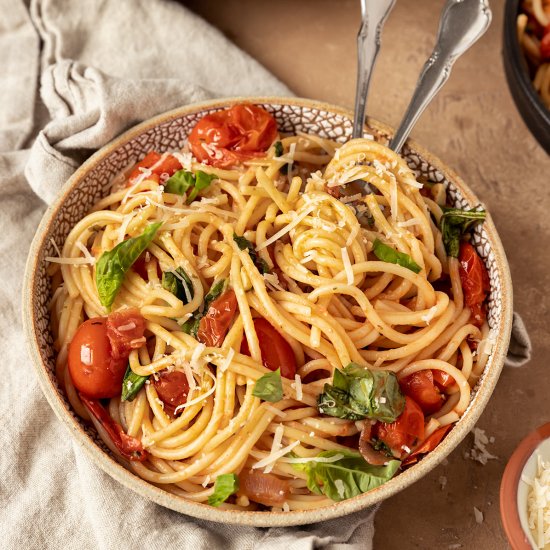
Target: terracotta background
<point>474,127</point>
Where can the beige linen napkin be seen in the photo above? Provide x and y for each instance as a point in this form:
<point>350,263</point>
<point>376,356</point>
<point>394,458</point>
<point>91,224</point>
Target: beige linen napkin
<point>74,74</point>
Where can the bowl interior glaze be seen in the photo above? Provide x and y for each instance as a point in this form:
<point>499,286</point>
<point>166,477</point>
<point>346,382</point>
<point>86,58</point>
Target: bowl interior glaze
<point>168,131</point>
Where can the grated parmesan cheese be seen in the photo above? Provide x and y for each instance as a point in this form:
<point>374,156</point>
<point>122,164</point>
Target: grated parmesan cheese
<point>86,355</point>
<point>430,315</point>
<point>538,503</point>
<point>206,481</point>
<point>479,515</point>
<point>274,456</point>
<point>225,365</point>
<point>188,296</point>
<point>479,450</point>
<point>276,445</point>
<point>393,199</point>
<point>326,459</point>
<point>347,265</point>
<point>298,387</point>
<point>408,223</point>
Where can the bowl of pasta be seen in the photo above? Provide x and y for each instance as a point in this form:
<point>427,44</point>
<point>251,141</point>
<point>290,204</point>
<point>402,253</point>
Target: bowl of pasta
<point>526,56</point>
<point>228,336</point>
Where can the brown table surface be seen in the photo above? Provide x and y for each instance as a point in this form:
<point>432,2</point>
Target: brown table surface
<point>474,127</point>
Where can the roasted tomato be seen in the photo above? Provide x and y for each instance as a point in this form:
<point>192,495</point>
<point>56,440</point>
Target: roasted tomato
<point>227,137</point>
<point>402,434</point>
<point>545,44</point>
<point>172,389</point>
<point>429,444</point>
<point>442,379</point>
<point>214,325</point>
<point>169,166</point>
<point>128,446</point>
<point>475,282</point>
<point>98,353</point>
<point>420,387</point>
<point>276,351</point>
<point>263,488</point>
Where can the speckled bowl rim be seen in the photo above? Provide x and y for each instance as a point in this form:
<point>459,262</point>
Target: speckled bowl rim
<point>263,519</point>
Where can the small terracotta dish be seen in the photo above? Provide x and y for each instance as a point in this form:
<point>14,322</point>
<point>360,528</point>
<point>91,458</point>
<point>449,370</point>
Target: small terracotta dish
<point>514,491</point>
<point>168,131</point>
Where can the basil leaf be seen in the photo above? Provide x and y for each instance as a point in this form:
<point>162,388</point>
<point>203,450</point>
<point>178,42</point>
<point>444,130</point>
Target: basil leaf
<point>202,181</point>
<point>113,264</point>
<point>357,393</point>
<point>278,149</point>
<point>131,384</point>
<point>269,387</point>
<point>180,182</point>
<point>191,326</point>
<point>225,486</point>
<point>454,223</point>
<point>388,254</point>
<point>348,477</point>
<point>244,244</point>
<point>176,283</point>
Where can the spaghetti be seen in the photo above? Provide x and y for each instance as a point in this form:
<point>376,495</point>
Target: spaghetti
<point>238,338</point>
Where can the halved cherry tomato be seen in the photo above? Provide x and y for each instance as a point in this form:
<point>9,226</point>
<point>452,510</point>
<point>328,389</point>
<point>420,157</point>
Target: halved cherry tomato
<point>214,325</point>
<point>442,379</point>
<point>420,387</point>
<point>227,137</point>
<point>408,428</point>
<point>474,280</point>
<point>276,351</point>
<point>172,389</point>
<point>125,330</point>
<point>429,444</point>
<point>128,446</point>
<point>170,165</point>
<point>263,488</point>
<point>98,352</point>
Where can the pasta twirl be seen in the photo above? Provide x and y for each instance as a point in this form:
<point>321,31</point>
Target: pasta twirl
<point>265,336</point>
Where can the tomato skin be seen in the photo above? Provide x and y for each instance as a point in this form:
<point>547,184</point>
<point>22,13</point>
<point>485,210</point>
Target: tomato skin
<point>420,387</point>
<point>128,446</point>
<point>172,389</point>
<point>275,350</point>
<point>214,325</point>
<point>474,280</point>
<point>442,379</point>
<point>429,444</point>
<point>227,137</point>
<point>103,377</point>
<point>170,165</point>
<point>408,427</point>
<point>125,330</point>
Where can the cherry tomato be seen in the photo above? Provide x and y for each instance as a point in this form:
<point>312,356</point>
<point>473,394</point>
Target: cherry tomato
<point>125,330</point>
<point>214,325</point>
<point>170,165</point>
<point>172,389</point>
<point>227,137</point>
<point>98,353</point>
<point>408,428</point>
<point>93,370</point>
<point>128,446</point>
<point>276,351</point>
<point>545,44</point>
<point>442,379</point>
<point>429,444</point>
<point>420,387</point>
<point>474,280</point>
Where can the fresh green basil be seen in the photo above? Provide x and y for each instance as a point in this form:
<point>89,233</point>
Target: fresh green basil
<point>113,264</point>
<point>454,223</point>
<point>191,326</point>
<point>269,387</point>
<point>175,282</point>
<point>345,478</point>
<point>183,181</point>
<point>131,384</point>
<point>357,393</point>
<point>225,486</point>
<point>244,244</point>
<point>278,149</point>
<point>388,254</point>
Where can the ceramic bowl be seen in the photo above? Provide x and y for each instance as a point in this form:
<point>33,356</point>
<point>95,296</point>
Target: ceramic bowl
<point>168,131</point>
<point>533,111</point>
<point>514,491</point>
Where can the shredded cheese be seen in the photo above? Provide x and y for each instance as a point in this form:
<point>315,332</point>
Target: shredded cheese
<point>538,503</point>
<point>274,456</point>
<point>275,410</point>
<point>188,296</point>
<point>478,515</point>
<point>298,387</point>
<point>430,315</point>
<point>326,459</point>
<point>227,361</point>
<point>276,445</point>
<point>85,355</point>
<point>479,450</point>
